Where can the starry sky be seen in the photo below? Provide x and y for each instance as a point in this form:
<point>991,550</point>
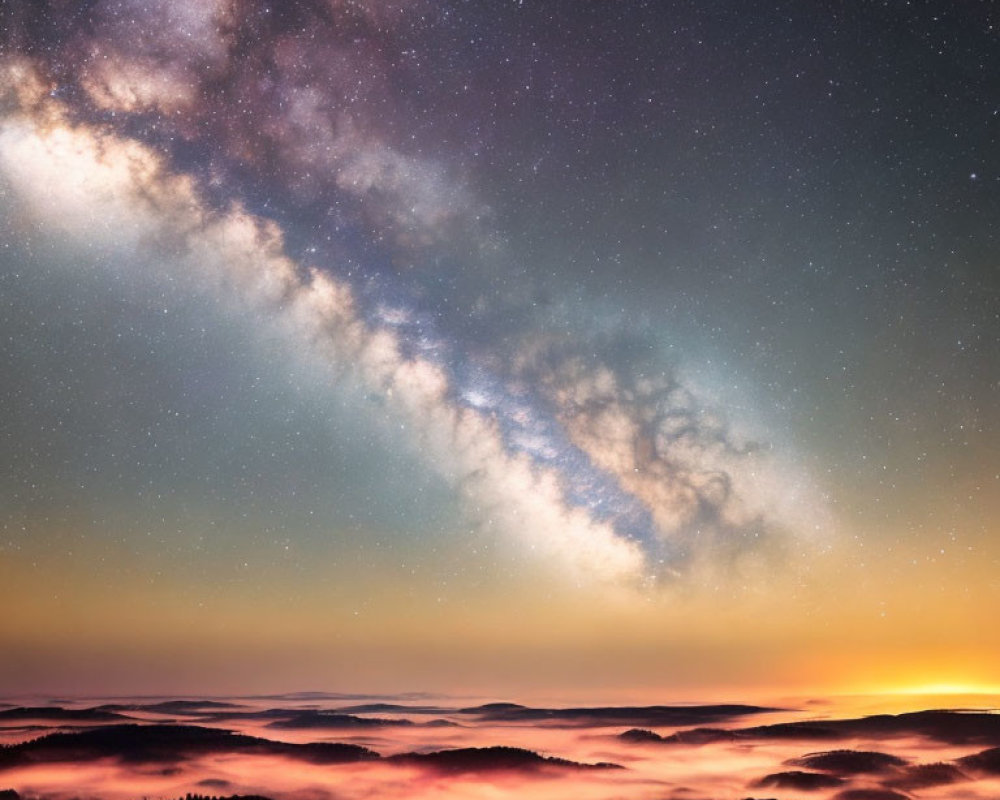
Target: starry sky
<point>512,347</point>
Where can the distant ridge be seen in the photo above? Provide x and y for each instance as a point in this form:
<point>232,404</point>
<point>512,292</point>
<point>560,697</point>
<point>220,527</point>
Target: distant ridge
<point>952,727</point>
<point>139,744</point>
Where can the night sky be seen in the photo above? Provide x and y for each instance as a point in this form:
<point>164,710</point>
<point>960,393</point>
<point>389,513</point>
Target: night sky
<point>508,346</point>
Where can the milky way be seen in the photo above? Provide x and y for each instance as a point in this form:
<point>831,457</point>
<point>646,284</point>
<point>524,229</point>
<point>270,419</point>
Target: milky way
<point>636,291</point>
<point>617,470</point>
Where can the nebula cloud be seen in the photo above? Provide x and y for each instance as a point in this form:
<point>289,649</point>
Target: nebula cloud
<point>121,192</point>
<point>156,127</point>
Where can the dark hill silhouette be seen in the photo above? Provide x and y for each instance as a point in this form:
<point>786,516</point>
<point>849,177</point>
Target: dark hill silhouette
<point>263,715</point>
<point>870,794</point>
<point>493,708</point>
<point>796,779</point>
<point>171,744</point>
<point>850,762</point>
<point>923,776</point>
<point>986,761</point>
<point>213,711</point>
<point>635,716</point>
<point>167,743</point>
<point>690,736</point>
<point>301,719</point>
<point>490,759</point>
<point>573,717</point>
<point>192,707</point>
<point>328,719</point>
<point>951,727</point>
<point>640,735</point>
<point>393,708</point>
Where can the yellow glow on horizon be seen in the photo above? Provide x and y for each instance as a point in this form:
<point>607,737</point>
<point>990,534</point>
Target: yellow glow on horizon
<point>944,688</point>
